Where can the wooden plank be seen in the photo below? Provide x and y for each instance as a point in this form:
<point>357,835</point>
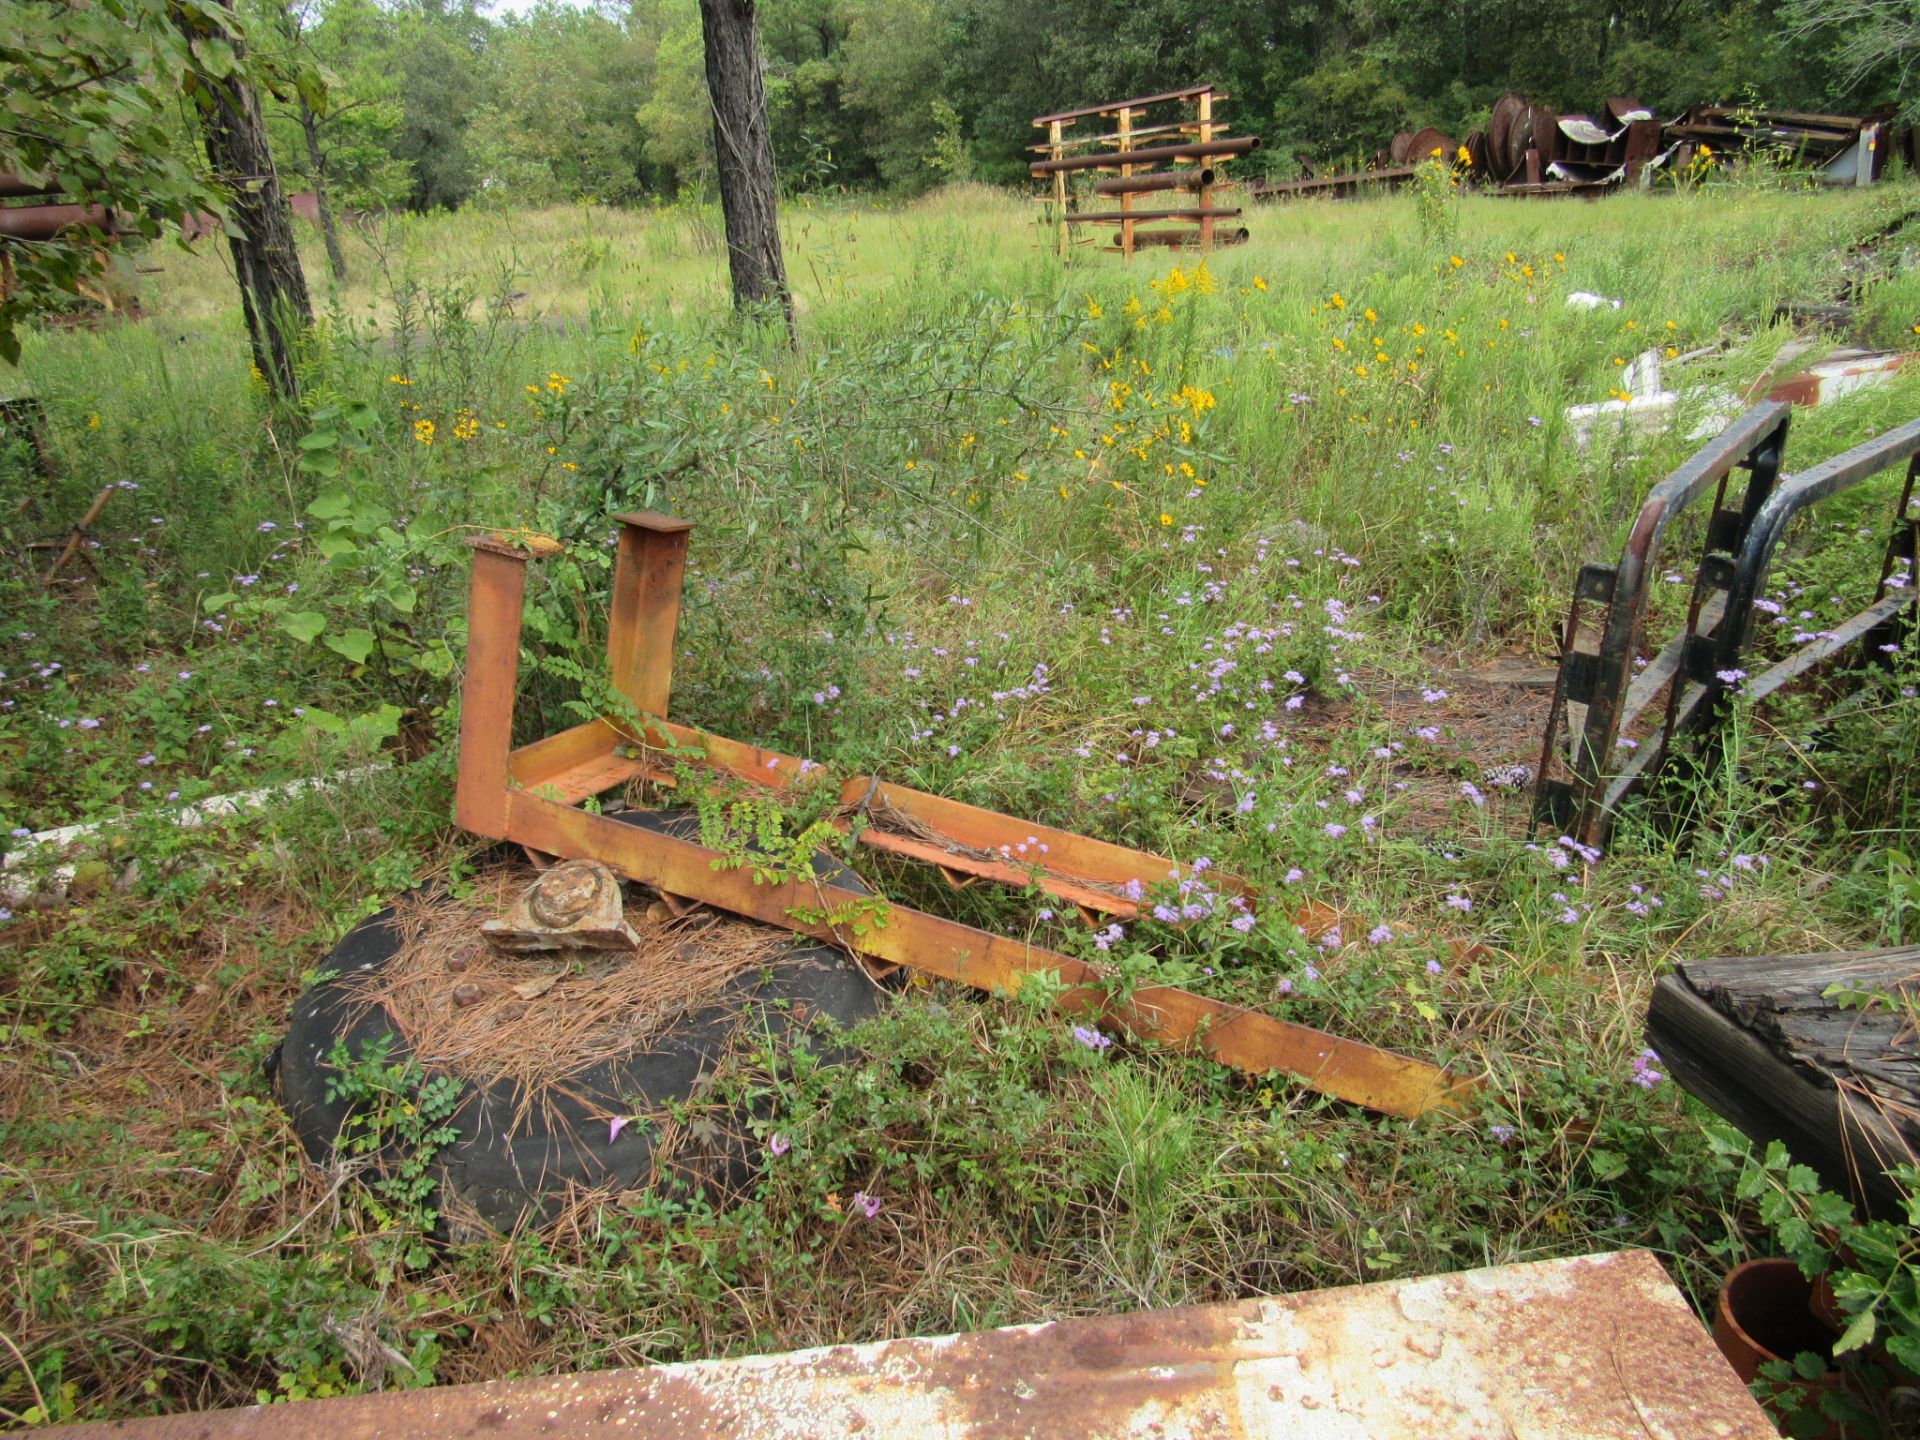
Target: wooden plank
<point>1829,645</point>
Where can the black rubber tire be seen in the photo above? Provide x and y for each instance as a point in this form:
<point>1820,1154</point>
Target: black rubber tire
<point>509,1173</point>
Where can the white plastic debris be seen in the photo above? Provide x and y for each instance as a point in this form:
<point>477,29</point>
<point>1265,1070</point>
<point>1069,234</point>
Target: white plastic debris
<point>1587,300</point>
<point>17,888</point>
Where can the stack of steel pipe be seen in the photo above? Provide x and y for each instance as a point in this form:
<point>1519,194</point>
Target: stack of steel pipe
<point>1185,162</point>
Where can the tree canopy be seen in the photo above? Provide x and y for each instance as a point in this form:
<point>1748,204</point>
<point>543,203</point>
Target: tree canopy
<point>440,103</point>
<point>609,104</point>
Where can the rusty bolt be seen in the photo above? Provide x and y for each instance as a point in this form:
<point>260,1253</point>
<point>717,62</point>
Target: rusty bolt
<point>467,994</point>
<point>564,894</point>
<point>458,964</point>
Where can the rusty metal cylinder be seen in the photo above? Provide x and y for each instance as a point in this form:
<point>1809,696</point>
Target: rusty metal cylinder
<point>1115,217</point>
<point>1151,155</point>
<point>43,222</point>
<point>1141,184</point>
<point>1189,239</point>
<point>13,187</point>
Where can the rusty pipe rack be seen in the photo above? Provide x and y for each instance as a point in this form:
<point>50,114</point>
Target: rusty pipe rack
<point>1135,170</point>
<point>532,796</point>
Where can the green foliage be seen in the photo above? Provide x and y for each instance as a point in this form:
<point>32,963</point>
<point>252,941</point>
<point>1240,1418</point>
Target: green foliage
<point>89,95</point>
<point>398,1125</point>
<point>1194,577</point>
<point>1871,1269</point>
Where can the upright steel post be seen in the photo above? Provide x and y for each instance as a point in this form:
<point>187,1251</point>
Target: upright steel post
<point>644,621</point>
<point>486,696</point>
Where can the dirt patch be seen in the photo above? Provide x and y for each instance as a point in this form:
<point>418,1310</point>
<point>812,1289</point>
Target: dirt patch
<point>1490,718</point>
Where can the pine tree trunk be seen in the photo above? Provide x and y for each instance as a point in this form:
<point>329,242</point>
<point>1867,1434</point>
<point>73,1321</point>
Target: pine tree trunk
<point>743,154</point>
<point>317,169</point>
<point>273,289</point>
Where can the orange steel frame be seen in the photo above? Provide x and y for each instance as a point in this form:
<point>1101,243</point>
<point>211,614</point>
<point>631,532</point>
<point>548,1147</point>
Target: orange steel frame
<point>531,796</point>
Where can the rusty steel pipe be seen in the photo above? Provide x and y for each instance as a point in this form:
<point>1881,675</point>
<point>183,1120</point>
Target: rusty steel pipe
<point>12,187</point>
<point>1152,155</point>
<point>1141,184</point>
<point>1139,102</point>
<point>1115,217</point>
<point>1175,239</point>
<point>44,222</point>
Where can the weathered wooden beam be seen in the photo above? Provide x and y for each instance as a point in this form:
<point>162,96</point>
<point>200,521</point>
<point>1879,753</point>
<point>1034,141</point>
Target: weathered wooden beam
<point>1762,1041</point>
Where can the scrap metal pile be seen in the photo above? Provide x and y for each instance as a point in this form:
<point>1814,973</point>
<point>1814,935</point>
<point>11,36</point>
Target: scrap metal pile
<point>1527,149</point>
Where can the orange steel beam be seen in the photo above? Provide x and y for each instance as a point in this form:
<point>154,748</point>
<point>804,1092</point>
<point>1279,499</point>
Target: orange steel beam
<point>648,575</point>
<point>589,758</point>
<point>529,796</point>
<point>1234,1036</point>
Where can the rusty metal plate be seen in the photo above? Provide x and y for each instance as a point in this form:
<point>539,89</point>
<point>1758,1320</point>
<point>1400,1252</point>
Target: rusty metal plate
<point>1594,1348</point>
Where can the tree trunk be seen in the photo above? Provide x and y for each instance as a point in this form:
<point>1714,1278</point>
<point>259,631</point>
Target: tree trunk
<point>273,289</point>
<point>317,169</point>
<point>743,154</point>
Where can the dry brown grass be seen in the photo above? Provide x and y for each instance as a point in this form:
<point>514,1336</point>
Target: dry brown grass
<point>539,1019</point>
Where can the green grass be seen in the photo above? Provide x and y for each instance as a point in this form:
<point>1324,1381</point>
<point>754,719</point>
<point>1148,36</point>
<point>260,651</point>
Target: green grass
<point>1096,485</point>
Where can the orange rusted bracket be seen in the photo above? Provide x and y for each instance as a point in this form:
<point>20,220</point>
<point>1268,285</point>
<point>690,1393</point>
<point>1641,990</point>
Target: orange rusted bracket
<point>531,796</point>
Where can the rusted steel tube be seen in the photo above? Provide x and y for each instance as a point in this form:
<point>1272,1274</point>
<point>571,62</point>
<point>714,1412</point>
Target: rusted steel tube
<point>12,187</point>
<point>1141,184</point>
<point>1134,104</point>
<point>1114,217</point>
<point>43,222</point>
<point>1152,155</point>
<point>1228,235</point>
